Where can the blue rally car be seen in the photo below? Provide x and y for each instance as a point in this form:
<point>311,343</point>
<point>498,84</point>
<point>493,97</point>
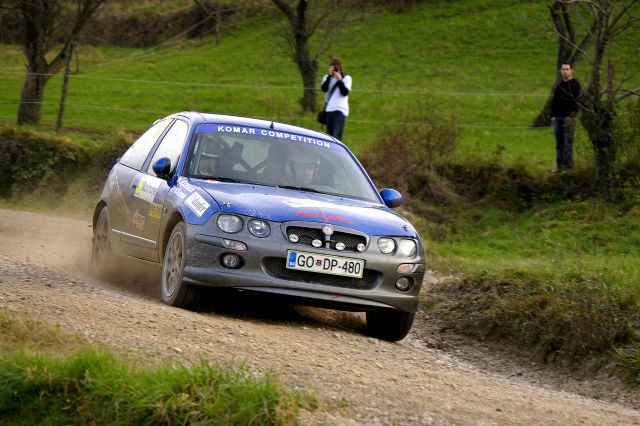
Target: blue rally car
<point>243,203</point>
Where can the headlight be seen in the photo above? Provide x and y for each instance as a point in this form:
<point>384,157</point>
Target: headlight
<point>229,223</point>
<point>407,248</point>
<point>386,245</point>
<point>259,228</point>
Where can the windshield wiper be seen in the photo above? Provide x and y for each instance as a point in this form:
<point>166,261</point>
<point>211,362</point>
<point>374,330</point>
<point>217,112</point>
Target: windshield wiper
<point>300,188</point>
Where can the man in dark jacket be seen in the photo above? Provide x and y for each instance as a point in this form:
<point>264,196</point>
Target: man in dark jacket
<point>564,107</point>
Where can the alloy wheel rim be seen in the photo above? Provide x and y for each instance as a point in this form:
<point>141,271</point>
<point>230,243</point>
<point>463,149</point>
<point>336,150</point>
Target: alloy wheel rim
<point>100,242</point>
<point>172,265</point>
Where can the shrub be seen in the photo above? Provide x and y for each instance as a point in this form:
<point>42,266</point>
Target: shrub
<point>575,319</point>
<point>628,135</point>
<point>416,149</point>
<point>32,163</point>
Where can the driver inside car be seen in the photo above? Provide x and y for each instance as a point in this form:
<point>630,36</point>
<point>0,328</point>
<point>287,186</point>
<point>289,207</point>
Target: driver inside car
<point>303,171</point>
<point>207,164</point>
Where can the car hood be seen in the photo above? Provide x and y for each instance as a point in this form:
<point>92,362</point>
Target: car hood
<point>283,205</point>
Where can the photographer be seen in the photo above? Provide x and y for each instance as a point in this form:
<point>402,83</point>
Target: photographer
<point>337,101</point>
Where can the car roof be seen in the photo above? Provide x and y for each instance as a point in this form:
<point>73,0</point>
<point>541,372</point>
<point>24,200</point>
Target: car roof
<point>201,117</point>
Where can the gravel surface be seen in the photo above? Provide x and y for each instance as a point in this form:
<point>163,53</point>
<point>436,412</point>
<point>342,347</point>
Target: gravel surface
<point>431,377</point>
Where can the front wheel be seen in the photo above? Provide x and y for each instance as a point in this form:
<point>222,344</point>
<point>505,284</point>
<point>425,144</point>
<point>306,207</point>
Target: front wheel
<point>174,291</point>
<point>101,244</point>
<point>389,325</point>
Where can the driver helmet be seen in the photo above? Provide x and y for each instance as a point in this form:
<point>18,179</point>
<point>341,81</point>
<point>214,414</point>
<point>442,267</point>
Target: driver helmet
<point>303,168</point>
<point>207,164</point>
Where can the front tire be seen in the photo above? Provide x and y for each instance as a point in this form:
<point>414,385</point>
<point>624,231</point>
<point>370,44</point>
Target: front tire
<point>173,291</point>
<point>389,325</point>
<point>101,244</point>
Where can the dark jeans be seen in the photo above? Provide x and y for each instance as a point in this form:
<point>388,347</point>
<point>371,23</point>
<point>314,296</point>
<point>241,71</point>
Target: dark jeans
<point>335,124</point>
<point>563,128</point>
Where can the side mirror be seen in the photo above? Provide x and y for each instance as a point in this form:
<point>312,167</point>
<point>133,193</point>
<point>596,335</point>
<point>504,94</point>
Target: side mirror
<point>391,197</point>
<point>162,167</point>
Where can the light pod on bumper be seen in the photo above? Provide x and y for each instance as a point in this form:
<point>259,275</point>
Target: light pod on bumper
<point>404,283</point>
<point>231,261</point>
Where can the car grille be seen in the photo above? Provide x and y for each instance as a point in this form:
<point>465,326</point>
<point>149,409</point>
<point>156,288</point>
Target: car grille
<point>307,235</point>
<point>276,267</point>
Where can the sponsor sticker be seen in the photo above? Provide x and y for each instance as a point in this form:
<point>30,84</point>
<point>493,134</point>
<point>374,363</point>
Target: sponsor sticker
<point>197,204</point>
<point>184,184</point>
<point>137,220</point>
<point>147,188</point>
<point>155,212</point>
<point>180,193</point>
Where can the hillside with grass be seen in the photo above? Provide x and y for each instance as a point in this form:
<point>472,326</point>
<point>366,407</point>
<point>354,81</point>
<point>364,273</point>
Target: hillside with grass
<point>542,260</point>
<point>488,64</point>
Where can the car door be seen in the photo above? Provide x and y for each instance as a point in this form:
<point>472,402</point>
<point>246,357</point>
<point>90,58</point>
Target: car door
<point>147,193</point>
<point>128,166</point>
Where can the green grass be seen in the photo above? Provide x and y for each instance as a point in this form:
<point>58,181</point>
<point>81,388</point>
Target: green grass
<point>487,63</point>
<point>550,242</point>
<point>92,386</point>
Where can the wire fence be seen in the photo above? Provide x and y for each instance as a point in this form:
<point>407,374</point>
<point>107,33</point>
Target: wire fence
<point>179,39</point>
<point>417,92</point>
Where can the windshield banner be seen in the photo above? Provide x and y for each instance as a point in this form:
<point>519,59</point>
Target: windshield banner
<point>267,133</point>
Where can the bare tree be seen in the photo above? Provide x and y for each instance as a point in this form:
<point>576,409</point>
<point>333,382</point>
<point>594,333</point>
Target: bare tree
<point>571,47</point>
<point>599,104</point>
<point>304,23</point>
<point>43,22</point>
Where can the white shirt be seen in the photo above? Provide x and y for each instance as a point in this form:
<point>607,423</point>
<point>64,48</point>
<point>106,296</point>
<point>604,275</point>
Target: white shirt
<point>337,101</point>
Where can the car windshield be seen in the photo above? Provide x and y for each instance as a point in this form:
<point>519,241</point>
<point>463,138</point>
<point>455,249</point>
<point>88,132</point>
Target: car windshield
<point>244,154</point>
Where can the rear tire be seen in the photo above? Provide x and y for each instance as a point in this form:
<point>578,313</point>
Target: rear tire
<point>101,244</point>
<point>389,325</point>
<point>173,291</point>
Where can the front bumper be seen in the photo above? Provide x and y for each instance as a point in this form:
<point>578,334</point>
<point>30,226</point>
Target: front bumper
<point>263,269</point>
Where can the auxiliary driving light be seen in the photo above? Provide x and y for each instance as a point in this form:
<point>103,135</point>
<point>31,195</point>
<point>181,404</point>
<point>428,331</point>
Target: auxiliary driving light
<point>293,238</point>
<point>340,246</point>
<point>232,261</point>
<point>404,283</point>
<point>361,247</point>
<point>316,243</point>
<point>327,230</point>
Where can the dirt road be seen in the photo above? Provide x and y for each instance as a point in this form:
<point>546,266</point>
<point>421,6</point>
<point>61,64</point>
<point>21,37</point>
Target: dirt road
<point>43,261</point>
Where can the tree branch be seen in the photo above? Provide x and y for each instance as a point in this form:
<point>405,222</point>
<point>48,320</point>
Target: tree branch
<point>582,48</point>
<point>622,12</point>
<point>627,93</point>
<point>87,9</point>
<point>286,9</point>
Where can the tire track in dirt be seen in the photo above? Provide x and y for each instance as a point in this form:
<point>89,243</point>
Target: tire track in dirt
<point>43,263</point>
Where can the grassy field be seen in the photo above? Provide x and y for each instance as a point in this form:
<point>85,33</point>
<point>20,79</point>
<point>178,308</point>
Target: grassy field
<point>487,63</point>
<point>88,385</point>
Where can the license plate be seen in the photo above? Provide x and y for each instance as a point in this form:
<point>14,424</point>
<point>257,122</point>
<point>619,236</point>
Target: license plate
<point>325,264</point>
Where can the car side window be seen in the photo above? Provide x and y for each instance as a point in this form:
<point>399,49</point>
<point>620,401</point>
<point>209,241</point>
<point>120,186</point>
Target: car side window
<point>139,151</point>
<point>171,145</point>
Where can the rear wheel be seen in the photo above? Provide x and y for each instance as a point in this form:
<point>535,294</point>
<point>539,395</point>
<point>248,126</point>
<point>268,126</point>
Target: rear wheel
<point>174,291</point>
<point>389,325</point>
<point>101,244</point>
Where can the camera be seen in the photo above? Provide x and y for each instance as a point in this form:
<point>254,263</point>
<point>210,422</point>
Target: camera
<point>336,68</point>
